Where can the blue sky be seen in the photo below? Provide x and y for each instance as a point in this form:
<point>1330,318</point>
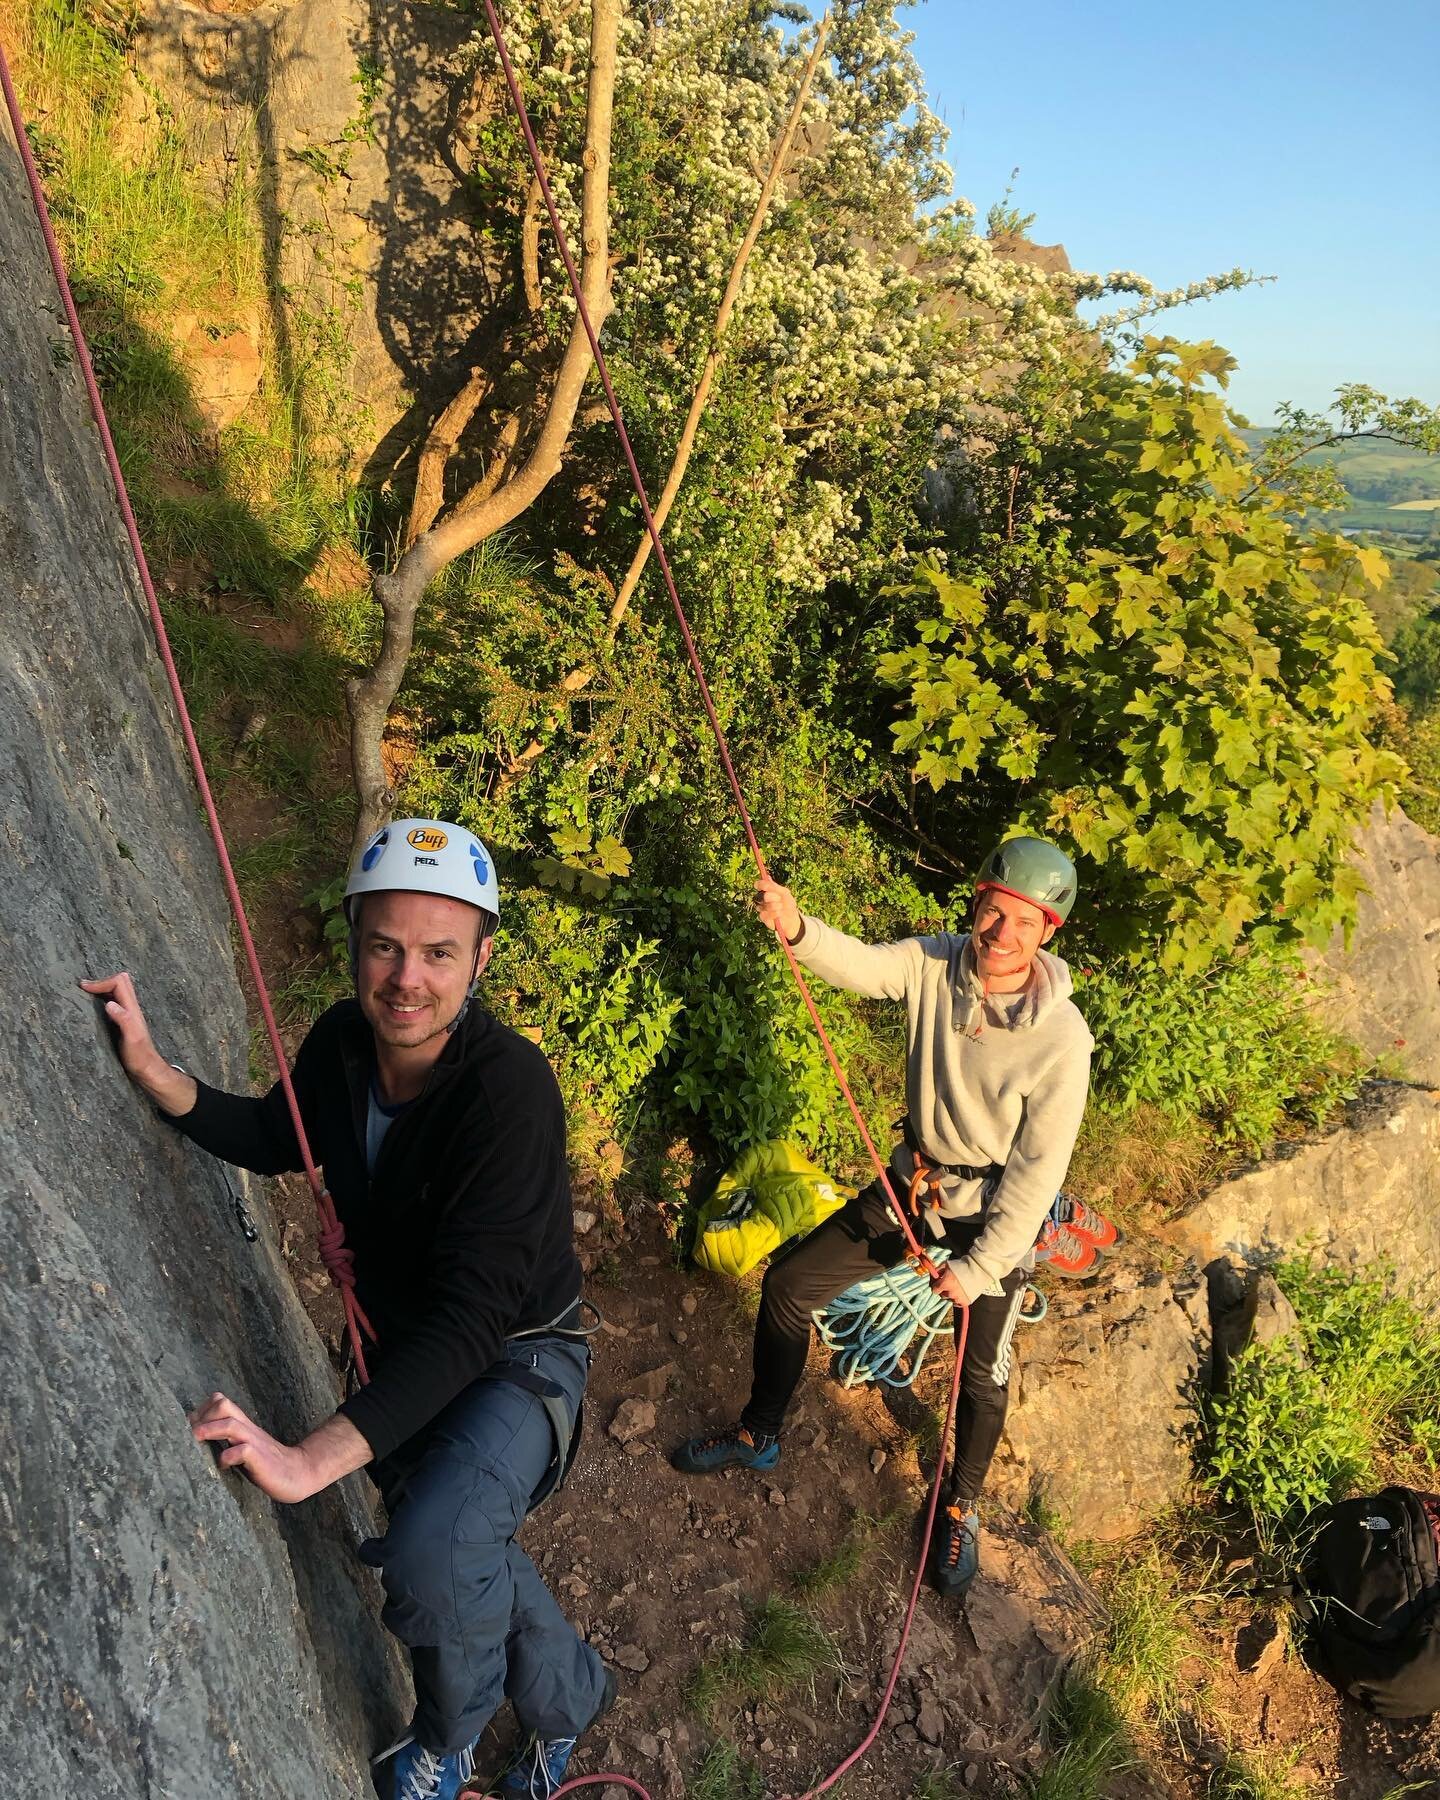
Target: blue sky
<point>1301,141</point>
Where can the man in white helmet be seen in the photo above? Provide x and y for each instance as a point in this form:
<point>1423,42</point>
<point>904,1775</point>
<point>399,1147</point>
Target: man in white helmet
<point>441,1134</point>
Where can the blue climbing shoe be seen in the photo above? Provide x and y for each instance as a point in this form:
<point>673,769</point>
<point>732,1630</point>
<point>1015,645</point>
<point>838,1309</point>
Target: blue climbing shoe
<point>407,1771</point>
<point>734,1448</point>
<point>955,1557</point>
<point>538,1764</point>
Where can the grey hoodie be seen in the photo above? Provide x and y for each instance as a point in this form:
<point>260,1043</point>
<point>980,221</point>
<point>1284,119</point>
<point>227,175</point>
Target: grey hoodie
<point>1001,1081</point>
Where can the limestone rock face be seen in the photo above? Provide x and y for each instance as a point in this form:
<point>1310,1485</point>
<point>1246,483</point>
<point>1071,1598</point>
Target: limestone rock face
<point>352,115</point>
<point>1103,1410</point>
<point>1368,1192</point>
<point>1384,991</point>
<point>224,362</point>
<point>167,1630</point>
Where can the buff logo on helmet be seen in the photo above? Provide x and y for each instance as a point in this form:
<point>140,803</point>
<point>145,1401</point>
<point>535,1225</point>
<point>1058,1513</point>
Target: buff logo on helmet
<point>376,851</point>
<point>427,837</point>
<point>480,866</point>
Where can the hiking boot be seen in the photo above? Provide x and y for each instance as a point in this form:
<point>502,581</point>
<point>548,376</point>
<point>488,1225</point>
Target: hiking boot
<point>955,1554</point>
<point>1064,1250</point>
<point>735,1448</point>
<point>537,1766</point>
<point>414,1773</point>
<point>1085,1222</point>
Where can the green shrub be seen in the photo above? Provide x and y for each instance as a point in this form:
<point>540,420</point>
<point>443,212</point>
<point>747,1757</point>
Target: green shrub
<point>1139,661</point>
<point>1309,1419</point>
<point>1237,1045</point>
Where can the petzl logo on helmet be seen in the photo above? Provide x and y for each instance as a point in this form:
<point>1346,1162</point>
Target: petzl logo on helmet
<point>425,837</point>
<point>481,867</point>
<point>376,851</point>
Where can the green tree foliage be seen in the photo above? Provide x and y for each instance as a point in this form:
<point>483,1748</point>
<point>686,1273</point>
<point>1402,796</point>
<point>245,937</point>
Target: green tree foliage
<point>877,333</point>
<point>1139,661</point>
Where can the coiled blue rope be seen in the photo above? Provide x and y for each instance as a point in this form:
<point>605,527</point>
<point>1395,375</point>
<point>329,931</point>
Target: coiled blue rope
<point>874,1323</point>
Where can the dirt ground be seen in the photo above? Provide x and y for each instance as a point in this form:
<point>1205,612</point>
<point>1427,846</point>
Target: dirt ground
<point>658,1571</point>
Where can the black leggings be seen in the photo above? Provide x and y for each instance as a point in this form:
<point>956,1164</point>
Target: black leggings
<point>856,1241</point>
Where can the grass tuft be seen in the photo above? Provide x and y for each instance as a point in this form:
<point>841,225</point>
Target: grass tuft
<point>841,1566</point>
<point>1140,1665</point>
<point>1093,1745</point>
<point>1258,1775</point>
<point>725,1774</point>
<point>784,1647</point>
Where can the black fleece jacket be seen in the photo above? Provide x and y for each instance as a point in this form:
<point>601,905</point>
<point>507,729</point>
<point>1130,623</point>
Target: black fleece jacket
<point>465,1232</point>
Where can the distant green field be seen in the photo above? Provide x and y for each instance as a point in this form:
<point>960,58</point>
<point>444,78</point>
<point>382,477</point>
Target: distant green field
<point>1392,488</point>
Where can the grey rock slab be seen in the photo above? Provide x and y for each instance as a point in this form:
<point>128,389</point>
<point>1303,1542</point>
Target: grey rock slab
<point>167,1629</point>
<point>1383,989</point>
<point>1103,1415</point>
<point>1364,1193</point>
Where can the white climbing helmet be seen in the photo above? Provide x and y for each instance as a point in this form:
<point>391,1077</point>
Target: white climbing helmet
<point>425,856</point>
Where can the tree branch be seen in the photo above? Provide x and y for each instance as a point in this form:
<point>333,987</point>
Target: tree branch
<point>530,248</point>
<point>479,513</point>
<point>440,445</point>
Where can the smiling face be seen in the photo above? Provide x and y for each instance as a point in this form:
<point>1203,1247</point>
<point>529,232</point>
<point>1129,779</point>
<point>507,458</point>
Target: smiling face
<point>413,970</point>
<point>1007,933</point>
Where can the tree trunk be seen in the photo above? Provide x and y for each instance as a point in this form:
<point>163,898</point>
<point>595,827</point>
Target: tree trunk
<point>479,513</point>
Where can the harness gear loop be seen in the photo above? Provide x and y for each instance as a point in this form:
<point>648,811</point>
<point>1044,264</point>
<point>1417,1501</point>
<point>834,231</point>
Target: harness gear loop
<point>356,1324</point>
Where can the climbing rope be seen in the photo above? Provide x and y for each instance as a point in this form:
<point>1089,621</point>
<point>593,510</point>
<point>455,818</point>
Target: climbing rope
<point>920,1258</point>
<point>339,1262</point>
<point>872,1324</point>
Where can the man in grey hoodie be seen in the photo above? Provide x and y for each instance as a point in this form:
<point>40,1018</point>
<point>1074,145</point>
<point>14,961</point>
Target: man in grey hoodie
<point>997,1072</point>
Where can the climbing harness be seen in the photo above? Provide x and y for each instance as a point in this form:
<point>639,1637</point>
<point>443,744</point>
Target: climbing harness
<point>338,1260</point>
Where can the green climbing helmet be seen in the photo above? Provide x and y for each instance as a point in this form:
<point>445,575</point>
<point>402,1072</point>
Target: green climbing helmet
<point>1032,870</point>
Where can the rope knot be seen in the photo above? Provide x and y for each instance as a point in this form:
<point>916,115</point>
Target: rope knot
<point>338,1258</point>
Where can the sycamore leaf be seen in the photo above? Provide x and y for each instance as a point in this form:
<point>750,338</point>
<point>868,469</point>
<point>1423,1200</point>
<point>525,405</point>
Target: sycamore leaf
<point>611,857</point>
<point>570,840</point>
<point>1373,565</point>
<point>1131,614</point>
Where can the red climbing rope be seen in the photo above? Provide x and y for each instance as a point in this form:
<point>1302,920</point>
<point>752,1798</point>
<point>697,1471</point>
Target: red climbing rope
<point>337,1259</point>
<point>917,1251</point>
<point>537,163</point>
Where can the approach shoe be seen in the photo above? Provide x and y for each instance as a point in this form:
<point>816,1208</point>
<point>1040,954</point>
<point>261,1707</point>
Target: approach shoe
<point>407,1771</point>
<point>955,1554</point>
<point>1085,1222</point>
<point>538,1764</point>
<point>735,1448</point>
<point>1062,1249</point>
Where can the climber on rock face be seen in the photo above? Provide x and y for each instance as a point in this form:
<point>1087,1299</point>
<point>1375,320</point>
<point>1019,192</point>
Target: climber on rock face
<point>442,1138</point>
<point>997,1072</point>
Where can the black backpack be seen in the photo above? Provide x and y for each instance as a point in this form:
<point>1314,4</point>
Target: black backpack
<point>1370,1590</point>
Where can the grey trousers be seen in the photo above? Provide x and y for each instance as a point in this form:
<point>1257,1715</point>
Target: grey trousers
<point>480,1624</point>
